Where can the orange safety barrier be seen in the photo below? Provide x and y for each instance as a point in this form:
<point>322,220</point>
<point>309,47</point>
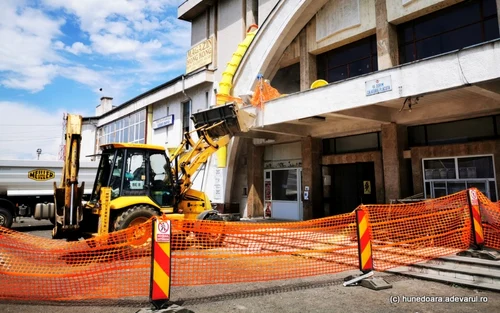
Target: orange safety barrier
<point>364,241</point>
<point>161,264</point>
<point>409,233</point>
<point>118,265</point>
<point>490,218</point>
<point>476,223</point>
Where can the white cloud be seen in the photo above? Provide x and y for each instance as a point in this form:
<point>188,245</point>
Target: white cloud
<point>131,29</point>
<point>37,128</point>
<point>78,48</point>
<point>32,51</point>
<point>26,50</point>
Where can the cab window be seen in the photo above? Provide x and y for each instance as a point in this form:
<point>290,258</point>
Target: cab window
<point>135,175</point>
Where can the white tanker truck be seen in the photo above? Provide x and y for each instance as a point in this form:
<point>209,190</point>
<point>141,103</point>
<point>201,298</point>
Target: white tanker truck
<point>24,183</point>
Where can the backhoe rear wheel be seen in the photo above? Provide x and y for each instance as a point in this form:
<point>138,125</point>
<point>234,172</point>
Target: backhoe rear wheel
<point>135,216</point>
<point>6,218</point>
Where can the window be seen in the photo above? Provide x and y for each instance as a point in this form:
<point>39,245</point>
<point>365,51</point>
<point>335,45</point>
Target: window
<point>446,176</point>
<point>116,177</point>
<point>186,114</point>
<point>284,185</point>
<point>455,27</point>
<point>350,144</point>
<point>287,79</point>
<point>454,132</point>
<point>351,60</point>
<point>131,128</point>
<point>135,183</point>
<point>161,179</point>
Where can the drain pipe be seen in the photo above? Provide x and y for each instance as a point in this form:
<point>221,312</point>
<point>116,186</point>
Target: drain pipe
<point>185,94</point>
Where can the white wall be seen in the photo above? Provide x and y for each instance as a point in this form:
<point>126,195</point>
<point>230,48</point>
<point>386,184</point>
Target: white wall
<point>230,32</point>
<point>199,29</point>
<point>265,8</point>
<point>399,11</point>
<point>88,142</point>
<point>335,25</point>
<point>285,151</point>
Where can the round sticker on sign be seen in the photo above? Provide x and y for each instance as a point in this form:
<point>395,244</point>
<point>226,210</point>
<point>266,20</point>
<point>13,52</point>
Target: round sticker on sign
<point>473,197</point>
<point>162,231</point>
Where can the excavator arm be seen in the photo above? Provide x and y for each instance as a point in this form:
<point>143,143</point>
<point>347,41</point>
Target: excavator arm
<point>68,196</point>
<point>215,128</point>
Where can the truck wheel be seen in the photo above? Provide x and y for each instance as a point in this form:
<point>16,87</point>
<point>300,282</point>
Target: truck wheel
<point>135,216</point>
<point>5,218</point>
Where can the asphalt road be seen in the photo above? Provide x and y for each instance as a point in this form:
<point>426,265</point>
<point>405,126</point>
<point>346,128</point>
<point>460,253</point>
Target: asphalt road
<point>313,294</point>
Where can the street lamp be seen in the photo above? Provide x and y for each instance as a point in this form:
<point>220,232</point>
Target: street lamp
<point>38,151</point>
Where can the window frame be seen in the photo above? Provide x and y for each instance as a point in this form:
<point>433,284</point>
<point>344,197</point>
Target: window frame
<point>324,64</point>
<point>411,25</point>
<point>495,119</point>
<point>333,148</point>
<point>130,124</point>
<point>457,175</point>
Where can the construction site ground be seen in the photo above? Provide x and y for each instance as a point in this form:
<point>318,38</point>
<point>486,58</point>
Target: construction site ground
<point>313,294</point>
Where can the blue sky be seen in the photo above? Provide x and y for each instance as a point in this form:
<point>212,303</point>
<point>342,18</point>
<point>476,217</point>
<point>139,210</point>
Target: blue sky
<point>55,55</point>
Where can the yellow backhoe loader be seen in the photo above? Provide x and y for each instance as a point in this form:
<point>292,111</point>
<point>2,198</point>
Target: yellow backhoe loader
<point>137,181</point>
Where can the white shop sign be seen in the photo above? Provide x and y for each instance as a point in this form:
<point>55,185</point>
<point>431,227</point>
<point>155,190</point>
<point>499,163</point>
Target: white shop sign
<point>164,121</point>
<point>379,85</point>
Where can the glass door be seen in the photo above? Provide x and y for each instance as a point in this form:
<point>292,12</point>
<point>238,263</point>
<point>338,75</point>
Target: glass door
<point>282,193</point>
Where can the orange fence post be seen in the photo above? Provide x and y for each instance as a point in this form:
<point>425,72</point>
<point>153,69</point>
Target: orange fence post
<point>364,241</point>
<point>159,292</point>
<point>477,226</point>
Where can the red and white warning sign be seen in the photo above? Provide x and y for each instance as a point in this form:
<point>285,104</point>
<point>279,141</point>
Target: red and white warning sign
<point>163,230</point>
<point>473,197</point>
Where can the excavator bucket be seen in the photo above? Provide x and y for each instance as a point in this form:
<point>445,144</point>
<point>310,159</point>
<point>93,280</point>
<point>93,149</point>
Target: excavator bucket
<point>223,120</point>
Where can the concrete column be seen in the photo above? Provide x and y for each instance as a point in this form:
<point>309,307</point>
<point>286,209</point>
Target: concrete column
<point>308,70</point>
<point>252,7</point>
<point>387,38</point>
<point>311,176</point>
<point>392,161</point>
<point>255,176</point>
<point>498,13</point>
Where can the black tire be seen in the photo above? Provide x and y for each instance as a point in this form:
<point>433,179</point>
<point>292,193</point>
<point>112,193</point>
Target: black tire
<point>214,239</point>
<point>6,218</point>
<point>135,215</point>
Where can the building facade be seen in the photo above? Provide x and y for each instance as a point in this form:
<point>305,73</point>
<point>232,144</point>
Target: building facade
<point>409,107</point>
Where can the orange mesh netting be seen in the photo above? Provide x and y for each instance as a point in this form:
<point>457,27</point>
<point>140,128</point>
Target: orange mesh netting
<point>410,233</point>
<point>263,92</point>
<point>117,266</point>
<point>490,216</point>
<point>212,252</point>
<point>37,268</point>
<point>260,252</point>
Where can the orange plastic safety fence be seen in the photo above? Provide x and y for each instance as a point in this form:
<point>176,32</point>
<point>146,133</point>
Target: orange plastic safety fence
<point>249,252</point>
<point>409,233</point>
<point>490,216</point>
<point>204,252</point>
<point>215,252</point>
<point>114,266</point>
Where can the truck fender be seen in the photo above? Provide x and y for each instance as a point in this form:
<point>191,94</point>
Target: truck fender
<point>204,214</point>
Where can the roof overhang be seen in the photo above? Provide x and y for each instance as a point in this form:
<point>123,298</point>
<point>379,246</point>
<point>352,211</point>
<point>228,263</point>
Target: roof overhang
<point>190,9</point>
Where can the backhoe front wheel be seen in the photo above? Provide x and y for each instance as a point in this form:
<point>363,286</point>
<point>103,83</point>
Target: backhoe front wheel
<point>133,217</point>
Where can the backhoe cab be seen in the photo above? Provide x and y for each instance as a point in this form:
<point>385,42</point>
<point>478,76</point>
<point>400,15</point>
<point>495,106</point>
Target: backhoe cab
<point>139,181</point>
